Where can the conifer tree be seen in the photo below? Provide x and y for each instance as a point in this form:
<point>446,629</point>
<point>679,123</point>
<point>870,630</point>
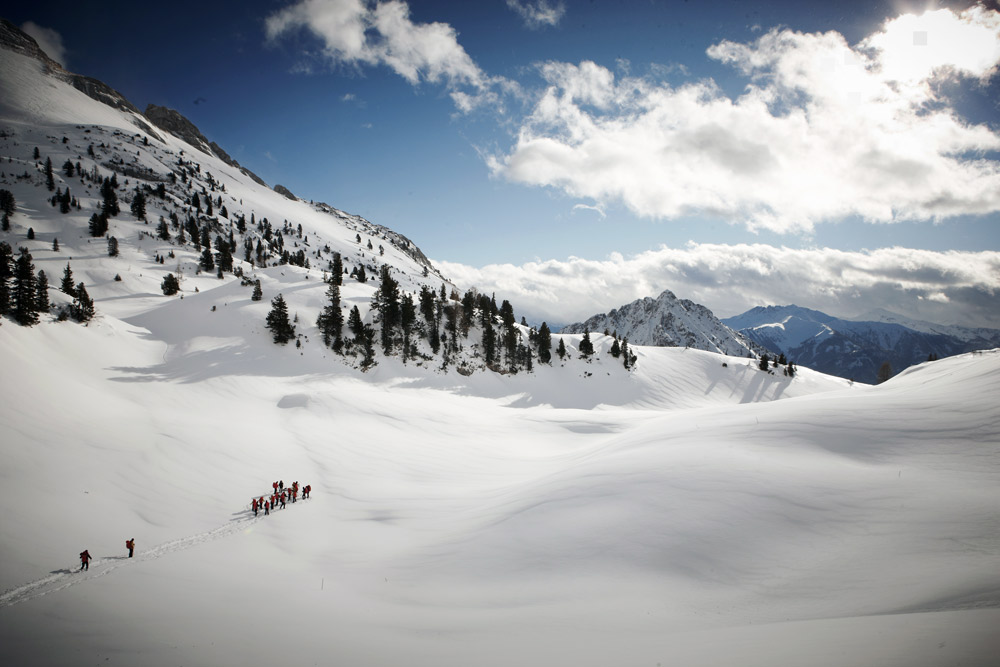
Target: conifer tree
<point>337,270</point>
<point>109,205</point>
<point>138,206</point>
<point>544,342</point>
<point>616,349</point>
<point>68,168</point>
<point>355,324</point>
<point>170,285</point>
<point>50,181</point>
<point>112,247</point>
<point>586,346</point>
<point>331,320</point>
<point>277,321</point>
<point>42,293</point>
<point>25,295</point>
<point>385,302</point>
<point>561,349</point>
<point>7,202</point>
<point>162,229</point>
<point>67,286</point>
<point>55,245</point>
<point>207,262</point>
<point>83,306</point>
<point>6,273</point>
<point>98,224</point>
<point>258,293</point>
<point>225,256</point>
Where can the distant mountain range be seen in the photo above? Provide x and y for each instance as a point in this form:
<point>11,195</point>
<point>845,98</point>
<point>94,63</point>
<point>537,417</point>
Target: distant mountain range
<point>856,348</point>
<point>667,321</point>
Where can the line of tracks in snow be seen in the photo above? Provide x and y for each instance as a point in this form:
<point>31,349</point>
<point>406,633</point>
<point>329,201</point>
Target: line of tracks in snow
<point>99,567</point>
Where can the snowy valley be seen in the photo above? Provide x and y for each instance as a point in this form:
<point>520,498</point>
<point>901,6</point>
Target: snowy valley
<point>690,509</point>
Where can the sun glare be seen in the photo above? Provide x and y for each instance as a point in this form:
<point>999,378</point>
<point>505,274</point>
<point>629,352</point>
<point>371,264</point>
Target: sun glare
<point>914,47</point>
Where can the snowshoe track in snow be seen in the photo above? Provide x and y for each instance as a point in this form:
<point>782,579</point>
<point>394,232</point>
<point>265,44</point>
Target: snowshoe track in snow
<point>99,567</point>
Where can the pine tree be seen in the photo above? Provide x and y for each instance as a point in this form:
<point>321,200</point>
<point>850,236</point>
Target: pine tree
<point>112,247</point>
<point>42,293</point>
<point>586,346</point>
<point>207,262</point>
<point>616,349</point>
<point>98,224</point>
<point>170,285</point>
<point>258,293</point>
<point>337,270</point>
<point>225,256</point>
<point>385,302</point>
<point>6,273</point>
<point>7,202</point>
<point>355,324</point>
<point>55,245</point>
<point>68,168</point>
<point>50,181</point>
<point>764,361</point>
<point>109,205</point>
<point>138,206</point>
<point>83,306</point>
<point>25,295</point>
<point>67,286</point>
<point>162,229</point>
<point>331,320</point>
<point>544,341</point>
<point>561,349</point>
<point>277,321</point>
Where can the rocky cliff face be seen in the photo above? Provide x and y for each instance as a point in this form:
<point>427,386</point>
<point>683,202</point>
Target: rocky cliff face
<point>176,124</point>
<point>14,39</point>
<point>667,321</point>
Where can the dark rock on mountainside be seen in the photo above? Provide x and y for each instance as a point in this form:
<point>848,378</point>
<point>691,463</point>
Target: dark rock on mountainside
<point>14,39</point>
<point>284,192</point>
<point>177,124</point>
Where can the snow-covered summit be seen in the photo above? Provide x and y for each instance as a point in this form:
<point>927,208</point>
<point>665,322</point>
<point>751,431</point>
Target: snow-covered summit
<point>667,321</point>
<point>855,348</point>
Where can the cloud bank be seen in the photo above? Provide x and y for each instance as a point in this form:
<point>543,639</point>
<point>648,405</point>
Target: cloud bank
<point>946,287</point>
<point>824,131</point>
<point>356,32</point>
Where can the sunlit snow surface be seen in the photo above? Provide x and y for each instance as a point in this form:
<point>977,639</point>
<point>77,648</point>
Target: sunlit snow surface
<point>695,511</point>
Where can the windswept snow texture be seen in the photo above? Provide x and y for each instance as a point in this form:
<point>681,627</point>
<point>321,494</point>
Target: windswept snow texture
<point>692,511</point>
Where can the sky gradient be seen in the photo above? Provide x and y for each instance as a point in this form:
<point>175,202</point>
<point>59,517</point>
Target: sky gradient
<point>578,155</point>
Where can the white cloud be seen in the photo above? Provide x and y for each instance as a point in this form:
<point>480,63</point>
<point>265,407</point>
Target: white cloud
<point>539,13</point>
<point>822,132</point>
<point>356,32</point>
<point>946,287</point>
<point>48,39</point>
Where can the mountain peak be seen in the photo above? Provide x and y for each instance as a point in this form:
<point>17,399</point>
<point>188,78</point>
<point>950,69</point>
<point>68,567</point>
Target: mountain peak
<point>667,321</point>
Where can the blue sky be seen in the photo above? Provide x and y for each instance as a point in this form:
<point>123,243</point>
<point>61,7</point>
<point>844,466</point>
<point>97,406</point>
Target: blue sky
<point>523,142</point>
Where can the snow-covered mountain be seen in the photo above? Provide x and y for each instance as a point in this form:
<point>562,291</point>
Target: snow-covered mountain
<point>694,510</point>
<point>667,321</point>
<point>855,349</point>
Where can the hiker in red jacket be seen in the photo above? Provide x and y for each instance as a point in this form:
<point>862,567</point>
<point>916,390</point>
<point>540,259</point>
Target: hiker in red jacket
<point>85,559</point>
<point>254,507</point>
<point>130,545</point>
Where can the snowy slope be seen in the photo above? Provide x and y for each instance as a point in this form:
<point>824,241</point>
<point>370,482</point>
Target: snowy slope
<point>693,511</point>
<point>667,321</point>
<point>677,513</point>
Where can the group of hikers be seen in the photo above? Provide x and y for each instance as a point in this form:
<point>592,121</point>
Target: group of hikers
<point>277,499</point>
<point>280,496</point>
<point>85,556</point>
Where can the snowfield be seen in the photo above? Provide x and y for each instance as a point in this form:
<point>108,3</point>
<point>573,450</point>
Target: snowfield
<point>694,511</point>
<point>678,514</point>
